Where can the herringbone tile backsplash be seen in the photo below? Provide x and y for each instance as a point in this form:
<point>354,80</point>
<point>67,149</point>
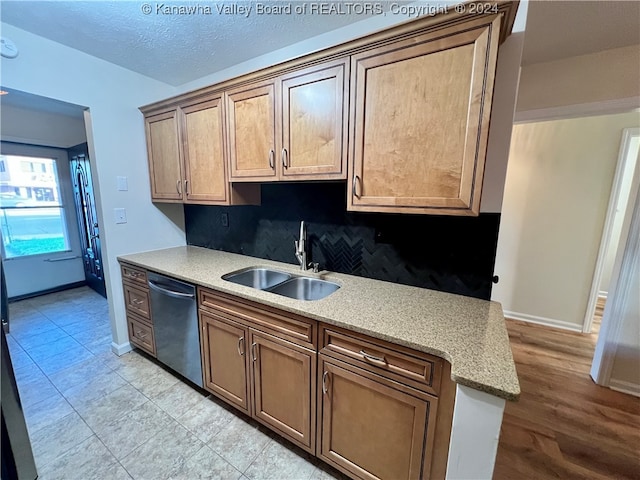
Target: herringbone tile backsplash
<point>452,254</point>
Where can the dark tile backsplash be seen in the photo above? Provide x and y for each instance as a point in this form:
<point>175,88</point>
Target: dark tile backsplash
<point>451,254</point>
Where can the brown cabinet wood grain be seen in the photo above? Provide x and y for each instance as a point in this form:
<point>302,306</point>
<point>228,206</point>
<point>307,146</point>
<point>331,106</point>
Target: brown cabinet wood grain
<point>283,379</point>
<point>371,427</point>
<point>251,118</point>
<point>292,127</point>
<point>225,359</point>
<point>420,120</point>
<point>165,161</point>
<point>187,153</point>
<point>141,334</point>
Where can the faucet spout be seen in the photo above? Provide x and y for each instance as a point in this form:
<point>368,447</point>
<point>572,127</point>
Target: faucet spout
<point>301,247</point>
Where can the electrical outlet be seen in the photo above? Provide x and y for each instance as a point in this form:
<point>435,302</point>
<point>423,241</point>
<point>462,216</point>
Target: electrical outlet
<point>120,215</point>
<point>224,219</point>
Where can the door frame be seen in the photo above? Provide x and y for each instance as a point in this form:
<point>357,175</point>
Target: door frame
<point>628,134</point>
<point>620,291</point>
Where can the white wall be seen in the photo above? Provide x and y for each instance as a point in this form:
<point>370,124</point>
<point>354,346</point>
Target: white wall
<point>23,125</point>
<point>113,95</point>
<point>621,205</point>
<point>599,77</point>
<point>557,191</point>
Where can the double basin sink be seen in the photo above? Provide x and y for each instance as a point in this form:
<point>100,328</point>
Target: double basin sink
<point>282,283</point>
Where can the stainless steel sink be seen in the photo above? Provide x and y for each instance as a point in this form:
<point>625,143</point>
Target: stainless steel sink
<point>305,288</point>
<point>260,278</point>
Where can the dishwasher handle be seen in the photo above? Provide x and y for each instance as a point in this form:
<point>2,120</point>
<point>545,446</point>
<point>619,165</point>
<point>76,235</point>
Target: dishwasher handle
<point>170,293</point>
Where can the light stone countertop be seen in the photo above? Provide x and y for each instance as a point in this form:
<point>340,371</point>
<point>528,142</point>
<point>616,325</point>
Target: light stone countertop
<point>469,333</point>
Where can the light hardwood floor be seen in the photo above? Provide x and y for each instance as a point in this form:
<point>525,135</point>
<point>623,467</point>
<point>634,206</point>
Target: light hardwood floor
<point>565,426</point>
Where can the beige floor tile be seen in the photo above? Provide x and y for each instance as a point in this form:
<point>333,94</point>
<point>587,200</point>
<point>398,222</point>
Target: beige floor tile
<point>326,472</point>
<point>163,455</point>
<point>154,383</point>
<point>277,462</point>
<point>36,391</point>
<point>46,412</point>
<point>205,465</point>
<point>178,399</point>
<point>64,359</point>
<point>239,443</point>
<point>133,366</point>
<point>29,342</point>
<point>51,442</point>
<point>206,419</point>
<point>130,431</point>
<point>78,373</point>
<point>53,348</point>
<point>101,411</point>
<point>97,386</point>
<point>89,335</point>
<point>86,461</point>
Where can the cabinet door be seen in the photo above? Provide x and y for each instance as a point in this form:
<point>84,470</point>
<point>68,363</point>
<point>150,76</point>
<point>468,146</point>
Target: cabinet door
<point>225,361</point>
<point>284,394</point>
<point>165,162</point>
<point>314,122</point>
<point>369,428</point>
<point>420,121</point>
<point>204,152</point>
<point>251,121</point>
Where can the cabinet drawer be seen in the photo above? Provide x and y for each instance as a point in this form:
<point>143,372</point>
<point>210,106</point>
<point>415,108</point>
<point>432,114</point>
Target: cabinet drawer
<point>419,370</point>
<point>286,325</point>
<point>141,334</point>
<point>137,300</point>
<point>133,274</point>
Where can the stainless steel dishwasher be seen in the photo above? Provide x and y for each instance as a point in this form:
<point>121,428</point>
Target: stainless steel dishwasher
<point>174,311</point>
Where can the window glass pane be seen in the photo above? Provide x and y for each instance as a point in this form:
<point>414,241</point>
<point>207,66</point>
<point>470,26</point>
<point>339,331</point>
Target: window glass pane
<point>31,215</point>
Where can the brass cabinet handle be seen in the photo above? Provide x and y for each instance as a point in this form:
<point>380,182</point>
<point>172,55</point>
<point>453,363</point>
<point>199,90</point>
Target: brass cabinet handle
<point>253,351</point>
<point>272,162</point>
<point>285,158</point>
<point>241,342</point>
<point>373,359</point>
<point>179,186</point>
<point>356,179</point>
<point>324,382</point>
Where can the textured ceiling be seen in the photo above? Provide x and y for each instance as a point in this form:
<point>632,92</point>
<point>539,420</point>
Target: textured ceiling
<point>172,48</point>
<point>560,29</point>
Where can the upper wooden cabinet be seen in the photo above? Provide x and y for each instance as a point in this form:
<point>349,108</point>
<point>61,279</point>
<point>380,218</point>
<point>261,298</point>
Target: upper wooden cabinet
<point>290,128</point>
<point>187,156</point>
<point>420,120</point>
<point>165,161</point>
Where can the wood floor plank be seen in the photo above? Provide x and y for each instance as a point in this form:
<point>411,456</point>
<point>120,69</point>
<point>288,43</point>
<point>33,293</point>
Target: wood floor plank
<point>565,426</point>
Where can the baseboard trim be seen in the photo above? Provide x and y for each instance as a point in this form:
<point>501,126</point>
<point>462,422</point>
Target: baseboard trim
<point>547,322</point>
<point>625,387</point>
<point>121,349</point>
<point>67,286</point>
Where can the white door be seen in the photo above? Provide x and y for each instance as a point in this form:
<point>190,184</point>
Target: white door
<point>40,242</point>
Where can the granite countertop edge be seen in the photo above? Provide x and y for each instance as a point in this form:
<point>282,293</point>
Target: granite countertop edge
<point>468,333</point>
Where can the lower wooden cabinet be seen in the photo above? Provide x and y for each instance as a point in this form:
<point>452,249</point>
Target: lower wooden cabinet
<point>225,360</point>
<point>283,380</point>
<point>267,377</point>
<point>141,334</point>
<point>371,427</point>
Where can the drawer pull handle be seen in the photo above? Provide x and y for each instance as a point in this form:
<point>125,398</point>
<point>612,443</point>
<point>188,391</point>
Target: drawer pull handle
<point>137,301</point>
<point>285,158</point>
<point>356,180</point>
<point>253,351</point>
<point>324,382</point>
<point>241,350</point>
<point>373,359</point>
<point>272,162</point>
<point>179,187</point>
<point>140,335</point>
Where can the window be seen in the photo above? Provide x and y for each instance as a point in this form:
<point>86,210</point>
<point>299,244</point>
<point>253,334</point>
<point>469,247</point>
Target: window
<point>32,212</point>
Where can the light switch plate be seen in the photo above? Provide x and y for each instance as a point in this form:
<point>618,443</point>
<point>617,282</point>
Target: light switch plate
<point>120,215</point>
<point>122,184</point>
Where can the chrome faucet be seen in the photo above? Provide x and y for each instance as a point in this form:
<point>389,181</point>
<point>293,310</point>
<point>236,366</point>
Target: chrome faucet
<point>301,247</point>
